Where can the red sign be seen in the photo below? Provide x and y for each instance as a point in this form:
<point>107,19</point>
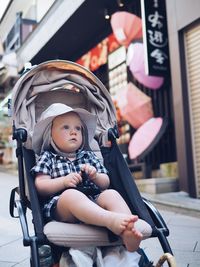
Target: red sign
<point>98,55</point>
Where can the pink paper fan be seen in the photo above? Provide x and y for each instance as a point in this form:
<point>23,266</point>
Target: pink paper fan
<point>126,27</point>
<point>135,106</point>
<point>144,137</point>
<point>135,61</point>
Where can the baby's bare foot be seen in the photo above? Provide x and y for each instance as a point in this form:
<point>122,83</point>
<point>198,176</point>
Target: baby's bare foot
<point>119,222</point>
<point>131,237</point>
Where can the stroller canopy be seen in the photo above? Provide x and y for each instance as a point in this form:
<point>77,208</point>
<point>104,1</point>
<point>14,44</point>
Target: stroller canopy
<point>50,78</point>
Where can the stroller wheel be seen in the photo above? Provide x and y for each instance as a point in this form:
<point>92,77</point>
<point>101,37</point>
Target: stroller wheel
<point>167,257</point>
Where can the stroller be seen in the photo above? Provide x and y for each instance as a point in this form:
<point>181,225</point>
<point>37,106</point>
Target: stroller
<point>60,81</point>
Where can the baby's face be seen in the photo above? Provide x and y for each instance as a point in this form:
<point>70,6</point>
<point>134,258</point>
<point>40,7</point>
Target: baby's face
<point>66,132</point>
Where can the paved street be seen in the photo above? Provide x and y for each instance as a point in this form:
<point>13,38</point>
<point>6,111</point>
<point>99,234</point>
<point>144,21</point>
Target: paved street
<point>12,252</point>
<point>184,239</point>
<point>184,234</point>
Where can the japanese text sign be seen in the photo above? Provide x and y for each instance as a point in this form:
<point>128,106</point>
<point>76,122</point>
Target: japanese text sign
<point>155,37</point>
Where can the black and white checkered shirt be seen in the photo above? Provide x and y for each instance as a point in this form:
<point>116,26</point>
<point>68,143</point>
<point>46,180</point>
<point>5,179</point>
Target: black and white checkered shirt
<point>55,165</point>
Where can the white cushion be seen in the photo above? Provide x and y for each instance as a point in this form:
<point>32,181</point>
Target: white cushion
<point>77,235</point>
<point>80,235</point>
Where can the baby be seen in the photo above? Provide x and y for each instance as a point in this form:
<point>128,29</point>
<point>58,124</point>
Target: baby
<point>73,181</point>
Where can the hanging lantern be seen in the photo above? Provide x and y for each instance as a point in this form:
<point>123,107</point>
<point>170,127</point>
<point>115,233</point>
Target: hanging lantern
<point>134,105</point>
<point>126,27</point>
<point>135,61</point>
<point>146,137</point>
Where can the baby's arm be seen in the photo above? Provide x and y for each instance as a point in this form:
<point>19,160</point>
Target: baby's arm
<point>47,186</point>
<point>100,179</point>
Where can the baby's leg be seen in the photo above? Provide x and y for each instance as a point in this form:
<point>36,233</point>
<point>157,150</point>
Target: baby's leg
<point>112,200</point>
<point>134,233</point>
<point>131,237</point>
<point>72,204</point>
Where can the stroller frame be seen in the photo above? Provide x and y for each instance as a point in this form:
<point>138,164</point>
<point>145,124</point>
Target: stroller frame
<point>19,201</point>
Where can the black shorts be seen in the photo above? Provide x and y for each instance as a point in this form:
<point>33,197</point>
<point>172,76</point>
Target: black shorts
<point>50,206</point>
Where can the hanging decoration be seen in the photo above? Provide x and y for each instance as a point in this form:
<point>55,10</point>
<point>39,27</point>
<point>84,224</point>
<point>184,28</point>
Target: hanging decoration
<point>135,106</point>
<point>126,27</point>
<point>146,137</point>
<point>135,61</point>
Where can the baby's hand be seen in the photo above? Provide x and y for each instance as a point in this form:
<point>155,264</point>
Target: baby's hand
<point>72,179</point>
<point>90,171</point>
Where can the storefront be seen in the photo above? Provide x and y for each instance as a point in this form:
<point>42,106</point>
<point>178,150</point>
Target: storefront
<point>108,60</point>
<point>184,41</point>
<point>150,97</point>
<point>8,77</point>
